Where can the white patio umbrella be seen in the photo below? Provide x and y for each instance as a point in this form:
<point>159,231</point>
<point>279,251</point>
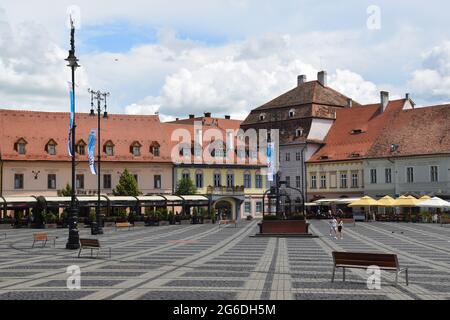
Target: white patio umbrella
<point>434,203</point>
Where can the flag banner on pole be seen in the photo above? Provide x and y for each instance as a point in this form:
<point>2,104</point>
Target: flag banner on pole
<point>271,160</point>
<point>91,152</point>
<point>72,116</point>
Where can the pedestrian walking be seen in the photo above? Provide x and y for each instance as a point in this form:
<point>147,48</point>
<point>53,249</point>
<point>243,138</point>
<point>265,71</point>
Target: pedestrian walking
<point>340,226</point>
<point>333,226</point>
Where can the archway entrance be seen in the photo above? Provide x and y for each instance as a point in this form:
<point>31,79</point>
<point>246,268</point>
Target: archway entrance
<point>224,210</point>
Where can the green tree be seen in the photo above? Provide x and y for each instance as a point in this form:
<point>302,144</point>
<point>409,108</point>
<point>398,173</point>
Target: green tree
<point>66,192</point>
<point>185,187</point>
<point>127,185</point>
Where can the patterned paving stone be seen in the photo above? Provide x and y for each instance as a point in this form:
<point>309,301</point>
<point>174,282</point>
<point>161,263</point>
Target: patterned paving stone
<point>188,295</point>
<point>44,295</point>
<point>338,296</point>
<point>205,283</point>
<point>84,283</point>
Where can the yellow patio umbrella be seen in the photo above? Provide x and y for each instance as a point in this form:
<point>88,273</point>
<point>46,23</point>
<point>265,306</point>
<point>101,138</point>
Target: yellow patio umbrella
<point>424,198</point>
<point>386,201</point>
<point>365,201</point>
<point>407,202</point>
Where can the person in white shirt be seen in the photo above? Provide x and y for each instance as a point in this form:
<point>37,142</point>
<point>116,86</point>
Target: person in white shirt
<point>333,226</point>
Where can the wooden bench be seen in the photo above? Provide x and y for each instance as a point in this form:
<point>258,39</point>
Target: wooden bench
<point>226,222</point>
<point>42,237</point>
<point>349,221</point>
<point>93,244</point>
<point>123,225</point>
<point>361,260</point>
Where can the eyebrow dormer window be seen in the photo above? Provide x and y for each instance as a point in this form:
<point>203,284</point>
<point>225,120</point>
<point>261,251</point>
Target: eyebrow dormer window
<point>20,146</point>
<point>155,149</point>
<point>357,131</point>
<point>81,148</point>
<point>51,147</point>
<point>299,132</point>
<point>262,116</point>
<point>135,149</point>
<point>291,113</point>
<point>108,148</point>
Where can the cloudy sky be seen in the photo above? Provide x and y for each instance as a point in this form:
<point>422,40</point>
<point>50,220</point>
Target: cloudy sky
<point>225,56</point>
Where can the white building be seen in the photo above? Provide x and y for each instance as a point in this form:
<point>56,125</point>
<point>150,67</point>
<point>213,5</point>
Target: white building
<point>412,155</point>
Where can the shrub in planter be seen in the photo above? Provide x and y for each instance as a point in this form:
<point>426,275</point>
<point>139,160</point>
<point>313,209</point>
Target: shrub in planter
<point>249,218</point>
<point>185,219</point>
<point>271,218</point>
<point>296,216</point>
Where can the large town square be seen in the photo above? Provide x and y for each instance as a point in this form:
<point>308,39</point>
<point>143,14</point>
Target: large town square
<point>220,153</point>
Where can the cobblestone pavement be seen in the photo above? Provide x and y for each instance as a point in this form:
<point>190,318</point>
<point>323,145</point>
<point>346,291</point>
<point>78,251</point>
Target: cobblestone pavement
<point>201,262</point>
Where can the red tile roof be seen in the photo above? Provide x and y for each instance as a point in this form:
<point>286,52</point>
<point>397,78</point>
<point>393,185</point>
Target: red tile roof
<point>355,131</point>
<point>37,128</point>
<point>420,131</point>
<point>124,131</point>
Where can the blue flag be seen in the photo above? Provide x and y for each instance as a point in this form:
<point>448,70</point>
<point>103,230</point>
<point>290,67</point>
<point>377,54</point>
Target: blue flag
<point>72,116</point>
<point>91,152</point>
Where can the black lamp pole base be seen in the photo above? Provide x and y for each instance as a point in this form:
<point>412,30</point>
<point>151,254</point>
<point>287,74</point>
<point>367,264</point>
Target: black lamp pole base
<point>73,243</point>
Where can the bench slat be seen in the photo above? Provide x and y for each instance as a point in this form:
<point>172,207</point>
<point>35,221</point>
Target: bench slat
<point>90,243</point>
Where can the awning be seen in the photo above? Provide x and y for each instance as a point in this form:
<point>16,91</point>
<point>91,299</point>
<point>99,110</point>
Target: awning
<point>122,199</point>
<point>195,198</point>
<point>1,200</point>
<point>386,201</point>
<point>20,199</point>
<point>311,204</point>
<point>336,201</point>
<point>150,198</point>
<point>91,199</point>
<point>408,201</point>
<point>171,198</point>
<point>57,199</point>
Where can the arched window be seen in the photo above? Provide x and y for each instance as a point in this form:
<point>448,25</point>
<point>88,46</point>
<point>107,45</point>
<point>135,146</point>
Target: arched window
<point>291,113</point>
<point>135,149</point>
<point>108,148</point>
<point>50,147</point>
<point>262,116</point>
<point>20,146</point>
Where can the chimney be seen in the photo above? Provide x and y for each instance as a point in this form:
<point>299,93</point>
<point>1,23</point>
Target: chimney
<point>176,119</point>
<point>407,97</point>
<point>384,95</point>
<point>322,78</point>
<point>191,116</point>
<point>349,103</point>
<point>227,117</point>
<point>207,114</point>
<point>301,79</point>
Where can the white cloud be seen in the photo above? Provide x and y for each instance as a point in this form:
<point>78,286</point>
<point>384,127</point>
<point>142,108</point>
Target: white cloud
<point>32,68</point>
<point>433,80</point>
<point>353,85</point>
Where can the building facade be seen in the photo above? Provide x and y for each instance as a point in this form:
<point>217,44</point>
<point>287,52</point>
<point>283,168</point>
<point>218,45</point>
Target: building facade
<point>303,116</point>
<point>338,169</point>
<point>412,156</point>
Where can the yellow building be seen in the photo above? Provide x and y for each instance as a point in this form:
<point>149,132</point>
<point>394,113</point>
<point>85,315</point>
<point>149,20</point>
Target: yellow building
<point>335,179</point>
<point>236,191</point>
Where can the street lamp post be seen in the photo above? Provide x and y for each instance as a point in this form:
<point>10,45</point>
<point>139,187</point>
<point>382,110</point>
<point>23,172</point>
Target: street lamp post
<point>99,96</point>
<point>73,241</point>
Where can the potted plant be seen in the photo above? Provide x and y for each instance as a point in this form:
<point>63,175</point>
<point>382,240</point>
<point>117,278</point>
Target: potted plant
<point>50,220</point>
<point>164,217</point>
<point>184,218</point>
<point>6,223</point>
<point>206,216</point>
<point>172,219</point>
